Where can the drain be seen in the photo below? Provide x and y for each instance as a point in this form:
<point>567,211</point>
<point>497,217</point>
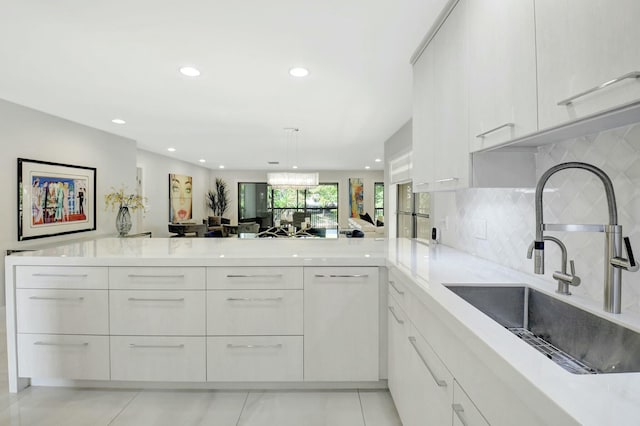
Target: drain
<point>558,356</point>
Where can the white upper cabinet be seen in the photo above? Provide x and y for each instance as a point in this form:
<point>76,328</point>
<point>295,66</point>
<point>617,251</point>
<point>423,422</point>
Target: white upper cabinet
<point>581,45</point>
<point>440,123</point>
<point>423,121</point>
<point>502,72</point>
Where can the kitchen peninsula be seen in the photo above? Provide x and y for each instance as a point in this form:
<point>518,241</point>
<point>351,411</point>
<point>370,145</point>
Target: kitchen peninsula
<point>215,313</point>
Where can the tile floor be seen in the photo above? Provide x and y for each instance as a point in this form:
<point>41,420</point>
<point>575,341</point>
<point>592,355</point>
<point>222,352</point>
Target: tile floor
<point>70,407</point>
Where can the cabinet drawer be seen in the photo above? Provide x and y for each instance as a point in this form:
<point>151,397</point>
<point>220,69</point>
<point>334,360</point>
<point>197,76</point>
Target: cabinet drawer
<point>62,311</point>
<point>254,358</point>
<point>254,312</point>
<point>428,380</point>
<point>63,357</point>
<point>173,359</point>
<point>154,278</point>
<point>156,312</point>
<point>243,278</point>
<point>398,289</point>
<point>465,413</point>
<point>62,277</point>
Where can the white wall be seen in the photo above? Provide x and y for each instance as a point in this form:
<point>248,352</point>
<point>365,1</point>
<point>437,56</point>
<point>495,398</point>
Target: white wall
<point>155,184</point>
<point>27,133</point>
<point>233,177</point>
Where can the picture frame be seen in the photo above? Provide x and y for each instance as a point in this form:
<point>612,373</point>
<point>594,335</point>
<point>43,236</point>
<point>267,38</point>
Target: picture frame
<point>356,197</point>
<point>180,198</point>
<point>55,199</point>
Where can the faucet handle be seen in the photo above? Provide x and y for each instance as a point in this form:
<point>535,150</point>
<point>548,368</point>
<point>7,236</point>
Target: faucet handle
<point>628,264</point>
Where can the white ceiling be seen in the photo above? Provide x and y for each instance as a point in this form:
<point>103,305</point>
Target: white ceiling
<point>92,61</point>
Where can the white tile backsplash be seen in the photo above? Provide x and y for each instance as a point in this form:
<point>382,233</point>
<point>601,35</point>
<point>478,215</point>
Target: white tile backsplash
<point>571,196</point>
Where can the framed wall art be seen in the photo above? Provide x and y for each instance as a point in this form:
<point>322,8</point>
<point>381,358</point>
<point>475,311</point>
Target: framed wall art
<point>356,197</point>
<point>180,199</point>
<point>55,199</point>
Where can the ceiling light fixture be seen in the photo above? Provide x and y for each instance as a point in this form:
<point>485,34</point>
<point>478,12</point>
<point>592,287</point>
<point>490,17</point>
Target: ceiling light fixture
<point>377,160</point>
<point>299,72</point>
<point>202,160</point>
<point>118,121</point>
<point>367,167</point>
<point>221,166</point>
<point>292,180</point>
<point>171,149</point>
<point>189,71</point>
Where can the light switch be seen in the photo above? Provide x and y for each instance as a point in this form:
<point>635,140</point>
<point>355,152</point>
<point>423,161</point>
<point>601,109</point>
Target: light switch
<point>480,229</point>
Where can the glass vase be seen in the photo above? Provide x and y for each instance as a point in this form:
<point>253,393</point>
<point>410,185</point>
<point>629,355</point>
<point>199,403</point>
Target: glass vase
<point>123,221</point>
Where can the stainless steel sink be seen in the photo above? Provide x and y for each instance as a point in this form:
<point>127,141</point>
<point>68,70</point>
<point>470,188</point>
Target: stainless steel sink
<point>580,342</point>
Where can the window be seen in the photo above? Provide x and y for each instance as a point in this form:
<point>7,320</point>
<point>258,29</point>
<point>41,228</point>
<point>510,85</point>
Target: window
<point>320,204</point>
<point>413,213</point>
<point>378,200</point>
<point>265,205</point>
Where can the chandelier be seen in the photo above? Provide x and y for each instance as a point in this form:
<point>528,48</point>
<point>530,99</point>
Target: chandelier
<point>295,180</point>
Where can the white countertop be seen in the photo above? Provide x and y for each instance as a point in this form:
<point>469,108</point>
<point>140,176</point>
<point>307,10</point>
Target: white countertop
<point>210,252</point>
<point>591,399</point>
<point>604,399</point>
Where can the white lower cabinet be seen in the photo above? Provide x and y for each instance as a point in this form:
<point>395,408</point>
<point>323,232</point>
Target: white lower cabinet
<point>254,358</point>
<point>62,311</point>
<point>429,384</point>
<point>398,350</point>
<point>158,358</point>
<point>341,328</point>
<point>157,312</point>
<point>254,312</point>
<point>465,413</point>
<point>76,357</point>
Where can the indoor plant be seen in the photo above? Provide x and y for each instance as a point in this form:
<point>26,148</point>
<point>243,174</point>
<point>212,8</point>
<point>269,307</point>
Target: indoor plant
<point>125,204</point>
<point>218,200</point>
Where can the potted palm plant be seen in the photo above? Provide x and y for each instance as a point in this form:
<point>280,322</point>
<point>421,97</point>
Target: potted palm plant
<point>218,200</point>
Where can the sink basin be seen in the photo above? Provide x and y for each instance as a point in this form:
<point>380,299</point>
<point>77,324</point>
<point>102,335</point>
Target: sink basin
<point>580,342</point>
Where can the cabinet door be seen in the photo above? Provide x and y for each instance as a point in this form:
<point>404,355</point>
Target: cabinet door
<point>502,72</point>
<point>429,385</point>
<point>398,346</point>
<point>423,121</point>
<point>465,413</point>
<point>451,156</point>
<point>341,324</point>
<point>582,44</point>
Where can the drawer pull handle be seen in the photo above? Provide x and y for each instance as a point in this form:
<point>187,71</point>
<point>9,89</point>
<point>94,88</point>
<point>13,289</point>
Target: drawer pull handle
<point>61,275</point>
<point>568,101</point>
<point>342,276</point>
<point>393,284</point>
<point>450,179</point>
<point>136,299</point>
<point>393,312</point>
<point>155,276</point>
<point>458,409</point>
<point>276,346</point>
<point>439,382</point>
<point>60,344</point>
<point>79,299</point>
<point>254,299</point>
<point>134,346</point>
<point>495,129</point>
<point>254,276</point>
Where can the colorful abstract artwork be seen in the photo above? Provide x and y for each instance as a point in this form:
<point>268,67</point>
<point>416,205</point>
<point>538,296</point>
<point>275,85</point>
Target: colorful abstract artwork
<point>54,199</point>
<point>356,197</point>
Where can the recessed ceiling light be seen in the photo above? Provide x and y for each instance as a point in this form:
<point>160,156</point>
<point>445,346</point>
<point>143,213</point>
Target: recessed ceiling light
<point>299,72</point>
<point>294,167</point>
<point>367,167</point>
<point>221,166</point>
<point>202,160</point>
<point>377,160</point>
<point>118,121</point>
<point>189,71</point>
<point>171,149</point>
